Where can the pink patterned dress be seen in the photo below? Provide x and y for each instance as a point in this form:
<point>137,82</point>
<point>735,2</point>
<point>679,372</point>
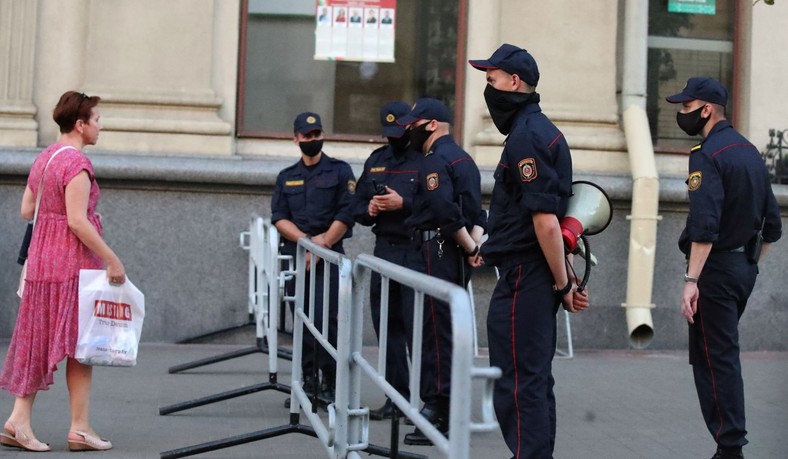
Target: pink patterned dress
<point>46,325</point>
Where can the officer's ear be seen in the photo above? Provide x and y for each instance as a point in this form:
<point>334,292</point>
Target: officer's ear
<point>516,82</point>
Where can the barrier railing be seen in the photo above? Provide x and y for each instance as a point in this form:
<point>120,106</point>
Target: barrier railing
<point>457,446</point>
<point>265,296</point>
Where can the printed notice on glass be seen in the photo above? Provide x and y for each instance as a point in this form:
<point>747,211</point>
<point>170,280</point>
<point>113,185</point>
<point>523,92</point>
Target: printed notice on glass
<point>349,30</point>
<point>692,6</point>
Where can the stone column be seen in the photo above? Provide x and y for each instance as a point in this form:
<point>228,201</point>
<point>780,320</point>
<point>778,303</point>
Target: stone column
<point>574,44</point>
<point>152,64</point>
<point>18,127</point>
<point>165,71</point>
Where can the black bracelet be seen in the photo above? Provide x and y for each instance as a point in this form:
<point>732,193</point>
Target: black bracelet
<point>564,290</point>
<point>472,253</point>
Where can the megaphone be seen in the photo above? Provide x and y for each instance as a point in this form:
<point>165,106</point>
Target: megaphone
<point>589,212</point>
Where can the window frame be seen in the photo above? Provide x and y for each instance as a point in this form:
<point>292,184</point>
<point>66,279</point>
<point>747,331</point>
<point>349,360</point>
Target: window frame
<point>459,104</point>
<point>736,56</point>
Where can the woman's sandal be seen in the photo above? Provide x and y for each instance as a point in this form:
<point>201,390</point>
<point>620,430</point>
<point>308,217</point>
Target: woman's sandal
<point>81,441</point>
<point>16,439</point>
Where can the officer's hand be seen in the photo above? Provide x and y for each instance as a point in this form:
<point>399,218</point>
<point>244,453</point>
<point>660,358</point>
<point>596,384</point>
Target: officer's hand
<point>475,261</point>
<point>372,209</point>
<point>580,300</point>
<point>320,240</point>
<point>389,201</point>
<point>575,301</point>
<point>689,301</point>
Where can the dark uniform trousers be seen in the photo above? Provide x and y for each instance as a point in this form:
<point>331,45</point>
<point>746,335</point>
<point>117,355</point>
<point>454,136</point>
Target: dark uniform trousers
<point>437,338</point>
<point>725,284</point>
<point>312,359</point>
<point>405,253</point>
<point>521,330</point>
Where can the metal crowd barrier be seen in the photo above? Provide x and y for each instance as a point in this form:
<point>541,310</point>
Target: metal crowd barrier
<point>345,431</point>
<point>266,296</point>
<point>457,445</point>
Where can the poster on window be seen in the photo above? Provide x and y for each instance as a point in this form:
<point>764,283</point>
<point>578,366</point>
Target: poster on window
<point>692,6</point>
<point>348,30</point>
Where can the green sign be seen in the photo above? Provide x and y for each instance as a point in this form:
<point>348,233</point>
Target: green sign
<point>692,6</point>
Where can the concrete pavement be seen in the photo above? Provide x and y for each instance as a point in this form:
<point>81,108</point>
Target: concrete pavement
<point>611,405</point>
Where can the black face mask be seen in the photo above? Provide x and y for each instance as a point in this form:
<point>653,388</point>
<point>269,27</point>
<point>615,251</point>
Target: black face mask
<point>504,105</point>
<point>399,144</point>
<point>418,136</point>
<point>691,123</point>
<point>311,148</point>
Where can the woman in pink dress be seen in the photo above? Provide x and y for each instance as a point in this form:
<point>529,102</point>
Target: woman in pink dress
<point>67,238</point>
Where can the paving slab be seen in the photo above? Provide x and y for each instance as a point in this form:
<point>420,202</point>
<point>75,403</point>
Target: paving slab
<point>611,405</point>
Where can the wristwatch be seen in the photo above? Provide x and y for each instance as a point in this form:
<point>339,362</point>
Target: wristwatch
<point>694,280</point>
<point>564,290</point>
<point>472,253</point>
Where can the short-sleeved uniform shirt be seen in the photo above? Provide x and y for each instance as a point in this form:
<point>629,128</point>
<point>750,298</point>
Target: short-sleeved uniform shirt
<point>398,171</point>
<point>449,190</point>
<point>534,175</point>
<point>313,197</point>
<point>729,193</point>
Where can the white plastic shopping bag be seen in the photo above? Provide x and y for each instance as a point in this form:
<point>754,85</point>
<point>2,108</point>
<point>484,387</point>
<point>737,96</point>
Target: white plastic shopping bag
<point>110,320</point>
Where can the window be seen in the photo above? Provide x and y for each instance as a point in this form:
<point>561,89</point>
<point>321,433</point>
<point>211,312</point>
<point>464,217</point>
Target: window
<point>280,77</point>
<point>683,45</point>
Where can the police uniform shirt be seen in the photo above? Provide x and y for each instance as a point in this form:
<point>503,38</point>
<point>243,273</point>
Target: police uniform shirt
<point>398,171</point>
<point>449,190</point>
<point>729,193</point>
<point>533,175</point>
<point>313,197</point>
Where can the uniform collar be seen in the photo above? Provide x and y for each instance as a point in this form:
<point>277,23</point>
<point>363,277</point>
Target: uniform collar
<point>322,164</point>
<point>722,124</point>
<point>440,141</point>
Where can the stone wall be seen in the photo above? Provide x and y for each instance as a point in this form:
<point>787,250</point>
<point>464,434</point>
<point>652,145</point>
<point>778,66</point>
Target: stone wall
<point>175,223</point>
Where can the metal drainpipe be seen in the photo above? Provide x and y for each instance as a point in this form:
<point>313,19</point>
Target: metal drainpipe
<point>645,180</point>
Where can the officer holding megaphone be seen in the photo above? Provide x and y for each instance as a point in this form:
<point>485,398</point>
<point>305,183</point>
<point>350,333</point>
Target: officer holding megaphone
<point>533,183</point>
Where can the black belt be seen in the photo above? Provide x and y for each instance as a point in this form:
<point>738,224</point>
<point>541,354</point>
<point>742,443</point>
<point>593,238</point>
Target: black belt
<point>737,249</point>
<point>426,235</point>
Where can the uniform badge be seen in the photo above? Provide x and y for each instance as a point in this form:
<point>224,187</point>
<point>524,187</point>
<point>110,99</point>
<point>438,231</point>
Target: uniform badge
<point>375,170</point>
<point>351,186</point>
<point>390,118</point>
<point>527,169</point>
<point>693,182</point>
<point>432,181</point>
<point>294,183</point>
<point>311,120</point>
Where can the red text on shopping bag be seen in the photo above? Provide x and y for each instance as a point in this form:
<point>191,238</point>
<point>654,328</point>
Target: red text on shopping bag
<point>112,310</point>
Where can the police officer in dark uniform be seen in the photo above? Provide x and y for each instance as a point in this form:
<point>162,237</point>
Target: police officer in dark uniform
<point>314,198</point>
<point>733,217</point>
<point>448,222</point>
<point>384,199</point>
<point>532,187</point>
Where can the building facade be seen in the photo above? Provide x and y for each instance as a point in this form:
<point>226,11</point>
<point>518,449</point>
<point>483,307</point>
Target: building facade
<point>198,98</point>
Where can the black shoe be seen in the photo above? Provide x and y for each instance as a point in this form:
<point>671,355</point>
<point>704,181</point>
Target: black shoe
<point>309,387</point>
<point>327,393</point>
<point>728,453</point>
<point>384,412</point>
<point>437,419</point>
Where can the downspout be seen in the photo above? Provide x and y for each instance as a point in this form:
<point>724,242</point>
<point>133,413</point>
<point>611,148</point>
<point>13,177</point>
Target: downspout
<point>645,180</point>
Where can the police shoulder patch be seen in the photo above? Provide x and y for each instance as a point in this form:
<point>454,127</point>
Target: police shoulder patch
<point>695,148</point>
<point>693,181</point>
<point>351,186</point>
<point>432,181</point>
<point>527,168</point>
